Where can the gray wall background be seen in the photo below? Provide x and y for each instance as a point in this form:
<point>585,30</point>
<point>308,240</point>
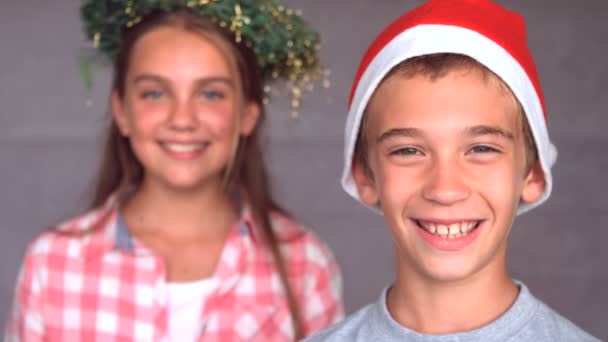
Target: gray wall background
<point>49,146</point>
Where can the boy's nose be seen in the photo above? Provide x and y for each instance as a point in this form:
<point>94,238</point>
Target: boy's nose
<point>445,184</point>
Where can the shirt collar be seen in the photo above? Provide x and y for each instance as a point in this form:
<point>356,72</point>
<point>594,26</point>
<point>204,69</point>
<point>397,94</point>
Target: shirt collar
<point>113,235</point>
<point>123,240</point>
<point>501,329</point>
<point>110,230</point>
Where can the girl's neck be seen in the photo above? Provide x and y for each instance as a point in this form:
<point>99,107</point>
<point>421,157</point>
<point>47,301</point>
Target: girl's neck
<point>437,307</point>
<point>186,214</point>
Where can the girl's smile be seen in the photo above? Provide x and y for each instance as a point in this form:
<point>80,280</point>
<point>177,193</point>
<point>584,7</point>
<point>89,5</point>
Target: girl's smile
<point>184,150</point>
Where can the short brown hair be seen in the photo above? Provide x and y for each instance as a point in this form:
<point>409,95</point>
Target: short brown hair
<point>436,66</point>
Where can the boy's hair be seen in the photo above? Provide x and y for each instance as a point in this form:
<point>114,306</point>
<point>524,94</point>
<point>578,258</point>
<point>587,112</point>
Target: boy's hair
<point>483,30</point>
<point>436,66</point>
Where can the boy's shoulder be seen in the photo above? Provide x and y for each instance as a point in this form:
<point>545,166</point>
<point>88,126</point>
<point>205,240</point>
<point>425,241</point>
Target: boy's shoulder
<point>359,326</point>
<point>529,319</point>
<point>548,325</point>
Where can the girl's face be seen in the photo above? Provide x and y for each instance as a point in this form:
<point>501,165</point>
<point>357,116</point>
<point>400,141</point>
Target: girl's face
<point>182,109</point>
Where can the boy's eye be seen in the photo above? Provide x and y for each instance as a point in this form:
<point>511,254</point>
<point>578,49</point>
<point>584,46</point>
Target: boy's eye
<point>152,94</point>
<point>483,149</point>
<point>406,151</point>
<point>212,95</point>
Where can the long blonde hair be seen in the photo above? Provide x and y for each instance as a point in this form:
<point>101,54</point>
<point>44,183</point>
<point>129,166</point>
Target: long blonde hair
<point>120,170</point>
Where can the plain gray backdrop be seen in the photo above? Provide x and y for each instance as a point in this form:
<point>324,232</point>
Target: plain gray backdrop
<point>49,146</point>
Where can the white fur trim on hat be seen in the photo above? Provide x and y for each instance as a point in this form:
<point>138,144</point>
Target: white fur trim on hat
<point>431,39</point>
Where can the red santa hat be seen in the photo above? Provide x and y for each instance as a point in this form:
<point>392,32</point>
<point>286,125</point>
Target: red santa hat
<point>480,29</point>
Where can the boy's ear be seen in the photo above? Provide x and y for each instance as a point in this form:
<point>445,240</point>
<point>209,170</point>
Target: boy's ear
<point>250,118</point>
<point>366,186</point>
<point>534,184</point>
<point>118,112</point>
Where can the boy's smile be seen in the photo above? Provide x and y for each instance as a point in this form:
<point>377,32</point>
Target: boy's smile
<point>447,163</point>
<point>449,235</point>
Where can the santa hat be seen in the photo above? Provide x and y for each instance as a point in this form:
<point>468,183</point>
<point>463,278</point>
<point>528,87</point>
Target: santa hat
<point>480,29</point>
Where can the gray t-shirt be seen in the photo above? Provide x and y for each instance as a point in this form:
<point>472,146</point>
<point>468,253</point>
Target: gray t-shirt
<point>528,319</point>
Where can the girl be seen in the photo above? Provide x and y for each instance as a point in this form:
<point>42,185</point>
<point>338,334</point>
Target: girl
<point>184,241</point>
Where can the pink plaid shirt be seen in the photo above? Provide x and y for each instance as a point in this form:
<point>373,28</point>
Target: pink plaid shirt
<point>107,286</point>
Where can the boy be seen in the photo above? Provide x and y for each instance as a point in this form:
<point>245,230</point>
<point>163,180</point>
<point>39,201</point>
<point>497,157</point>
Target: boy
<point>446,136</point>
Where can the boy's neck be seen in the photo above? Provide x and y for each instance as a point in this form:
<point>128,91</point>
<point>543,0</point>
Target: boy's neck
<point>436,307</point>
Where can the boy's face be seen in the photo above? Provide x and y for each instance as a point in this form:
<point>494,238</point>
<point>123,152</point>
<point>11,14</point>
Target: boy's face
<point>447,162</point>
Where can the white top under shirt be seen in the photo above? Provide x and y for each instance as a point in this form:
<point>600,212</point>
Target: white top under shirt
<point>186,302</point>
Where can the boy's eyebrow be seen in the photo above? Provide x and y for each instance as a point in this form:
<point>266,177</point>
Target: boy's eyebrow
<point>474,131</point>
<point>489,130</point>
<point>399,132</point>
<point>200,81</point>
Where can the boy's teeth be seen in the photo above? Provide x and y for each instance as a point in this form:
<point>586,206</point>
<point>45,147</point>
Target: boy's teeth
<point>451,231</point>
<point>454,228</point>
<point>442,229</point>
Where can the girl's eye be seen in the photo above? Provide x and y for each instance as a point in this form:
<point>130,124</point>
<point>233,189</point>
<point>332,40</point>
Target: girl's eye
<point>483,149</point>
<point>212,95</point>
<point>151,94</point>
<point>406,151</point>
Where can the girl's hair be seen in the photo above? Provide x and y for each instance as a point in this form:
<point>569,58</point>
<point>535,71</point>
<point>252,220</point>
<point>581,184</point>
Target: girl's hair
<point>120,170</point>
